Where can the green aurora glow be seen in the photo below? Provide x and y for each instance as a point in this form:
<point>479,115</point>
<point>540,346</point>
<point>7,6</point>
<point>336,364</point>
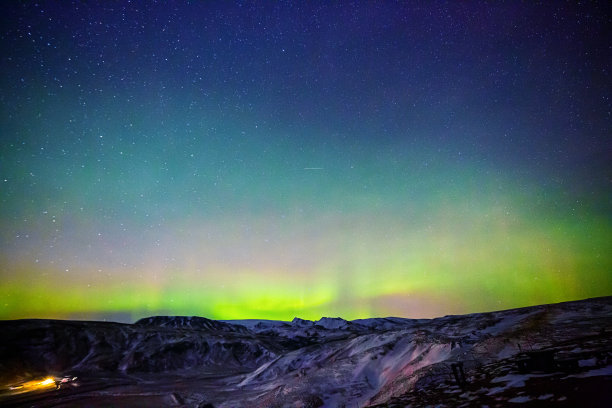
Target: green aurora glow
<point>303,189</point>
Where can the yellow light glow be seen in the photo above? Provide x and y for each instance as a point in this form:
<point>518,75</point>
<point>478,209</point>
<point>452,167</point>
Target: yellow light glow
<point>34,385</point>
<point>47,381</point>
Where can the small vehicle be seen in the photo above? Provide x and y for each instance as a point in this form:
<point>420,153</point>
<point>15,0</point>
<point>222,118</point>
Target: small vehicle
<point>64,380</point>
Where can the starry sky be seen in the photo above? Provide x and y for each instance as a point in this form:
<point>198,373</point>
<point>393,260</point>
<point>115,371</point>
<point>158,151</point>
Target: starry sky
<point>279,159</point>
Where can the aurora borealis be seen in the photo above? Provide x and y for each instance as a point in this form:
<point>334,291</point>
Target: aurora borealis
<point>281,159</point>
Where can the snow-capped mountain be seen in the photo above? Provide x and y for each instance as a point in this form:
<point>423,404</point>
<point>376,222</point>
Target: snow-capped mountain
<point>551,354</point>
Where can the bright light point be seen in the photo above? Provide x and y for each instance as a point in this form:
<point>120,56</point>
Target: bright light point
<point>47,381</point>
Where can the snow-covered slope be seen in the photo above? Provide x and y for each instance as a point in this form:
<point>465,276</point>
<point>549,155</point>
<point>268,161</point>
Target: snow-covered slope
<point>54,346</point>
<point>398,356</point>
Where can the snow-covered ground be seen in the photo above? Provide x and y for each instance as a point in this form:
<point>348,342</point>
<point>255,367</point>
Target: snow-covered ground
<point>549,354</point>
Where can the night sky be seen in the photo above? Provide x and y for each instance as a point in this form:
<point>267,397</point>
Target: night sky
<point>280,159</point>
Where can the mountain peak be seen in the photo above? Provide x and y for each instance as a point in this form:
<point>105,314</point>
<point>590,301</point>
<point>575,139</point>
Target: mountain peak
<point>332,323</point>
<point>301,322</point>
<point>194,322</point>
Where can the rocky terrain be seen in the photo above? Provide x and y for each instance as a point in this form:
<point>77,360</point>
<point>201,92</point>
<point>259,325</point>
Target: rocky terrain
<point>550,355</point>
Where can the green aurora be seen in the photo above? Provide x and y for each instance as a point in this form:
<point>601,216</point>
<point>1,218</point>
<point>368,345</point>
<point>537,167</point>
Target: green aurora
<point>357,183</point>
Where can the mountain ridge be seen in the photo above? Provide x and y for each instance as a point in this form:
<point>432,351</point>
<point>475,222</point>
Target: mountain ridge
<point>328,362</point>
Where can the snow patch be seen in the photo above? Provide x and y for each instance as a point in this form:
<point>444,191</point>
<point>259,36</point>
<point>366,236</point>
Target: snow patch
<point>519,400</point>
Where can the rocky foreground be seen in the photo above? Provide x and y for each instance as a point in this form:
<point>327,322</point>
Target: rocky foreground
<point>550,355</point>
